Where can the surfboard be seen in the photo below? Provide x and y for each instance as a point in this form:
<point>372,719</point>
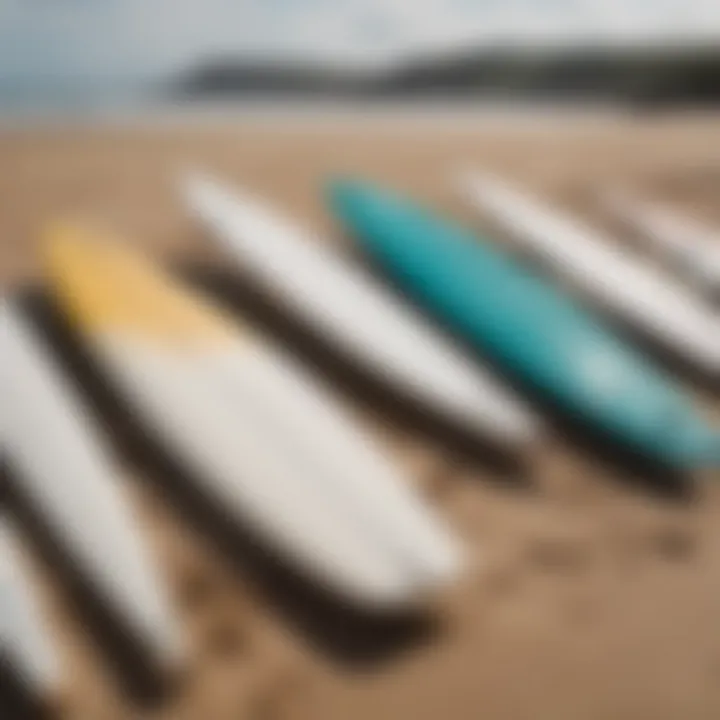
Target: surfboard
<point>528,326</point>
<point>686,243</point>
<point>653,302</point>
<point>261,435</point>
<point>65,471</point>
<point>359,317</point>
<point>24,637</point>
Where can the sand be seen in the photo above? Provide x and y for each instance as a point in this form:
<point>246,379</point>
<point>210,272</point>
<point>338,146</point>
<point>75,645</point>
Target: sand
<point>589,595</point>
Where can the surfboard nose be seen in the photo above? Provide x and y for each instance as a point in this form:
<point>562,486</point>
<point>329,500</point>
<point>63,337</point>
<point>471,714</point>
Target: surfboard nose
<point>348,195</point>
<point>379,219</point>
<point>201,192</point>
<point>107,287</point>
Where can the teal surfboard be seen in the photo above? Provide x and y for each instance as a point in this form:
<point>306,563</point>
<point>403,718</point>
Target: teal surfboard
<point>529,327</point>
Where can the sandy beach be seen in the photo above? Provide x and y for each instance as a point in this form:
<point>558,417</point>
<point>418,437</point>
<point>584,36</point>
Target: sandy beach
<point>591,594</point>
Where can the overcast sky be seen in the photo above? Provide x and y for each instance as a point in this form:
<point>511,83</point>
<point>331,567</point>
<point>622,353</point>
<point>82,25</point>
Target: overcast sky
<point>131,37</point>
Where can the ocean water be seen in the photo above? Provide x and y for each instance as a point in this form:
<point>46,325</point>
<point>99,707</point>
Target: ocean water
<point>51,98</point>
<point>123,100</point>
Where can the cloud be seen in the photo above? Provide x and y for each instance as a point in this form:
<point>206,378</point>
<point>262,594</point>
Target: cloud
<point>126,37</point>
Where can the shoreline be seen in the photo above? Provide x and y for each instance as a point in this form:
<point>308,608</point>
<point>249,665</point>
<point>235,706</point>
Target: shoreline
<point>436,113</point>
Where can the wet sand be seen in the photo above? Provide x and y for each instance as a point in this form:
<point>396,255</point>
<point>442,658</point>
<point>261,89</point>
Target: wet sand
<point>592,594</point>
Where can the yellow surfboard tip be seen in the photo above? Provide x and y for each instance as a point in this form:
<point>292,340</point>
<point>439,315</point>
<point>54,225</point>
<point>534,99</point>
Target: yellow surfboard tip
<point>105,285</point>
<point>67,245</point>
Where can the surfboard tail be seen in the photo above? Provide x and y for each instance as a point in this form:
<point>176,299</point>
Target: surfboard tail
<point>697,446</point>
<point>713,453</point>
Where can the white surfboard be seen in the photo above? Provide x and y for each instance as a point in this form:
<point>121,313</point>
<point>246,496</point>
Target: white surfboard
<point>647,298</point>
<point>358,316</point>
<point>24,637</point>
<point>66,474</point>
<point>684,242</point>
<point>263,437</point>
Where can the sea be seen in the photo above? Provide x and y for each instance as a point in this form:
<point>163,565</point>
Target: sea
<point>124,101</point>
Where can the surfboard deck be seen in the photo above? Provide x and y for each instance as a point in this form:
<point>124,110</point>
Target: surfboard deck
<point>530,327</point>
<point>24,639</point>
<point>647,298</point>
<point>358,316</point>
<point>252,426</point>
<point>65,471</point>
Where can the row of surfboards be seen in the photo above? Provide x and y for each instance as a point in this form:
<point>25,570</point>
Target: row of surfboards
<point>267,440</point>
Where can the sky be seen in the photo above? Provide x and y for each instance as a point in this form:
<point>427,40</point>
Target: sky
<point>50,38</point>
